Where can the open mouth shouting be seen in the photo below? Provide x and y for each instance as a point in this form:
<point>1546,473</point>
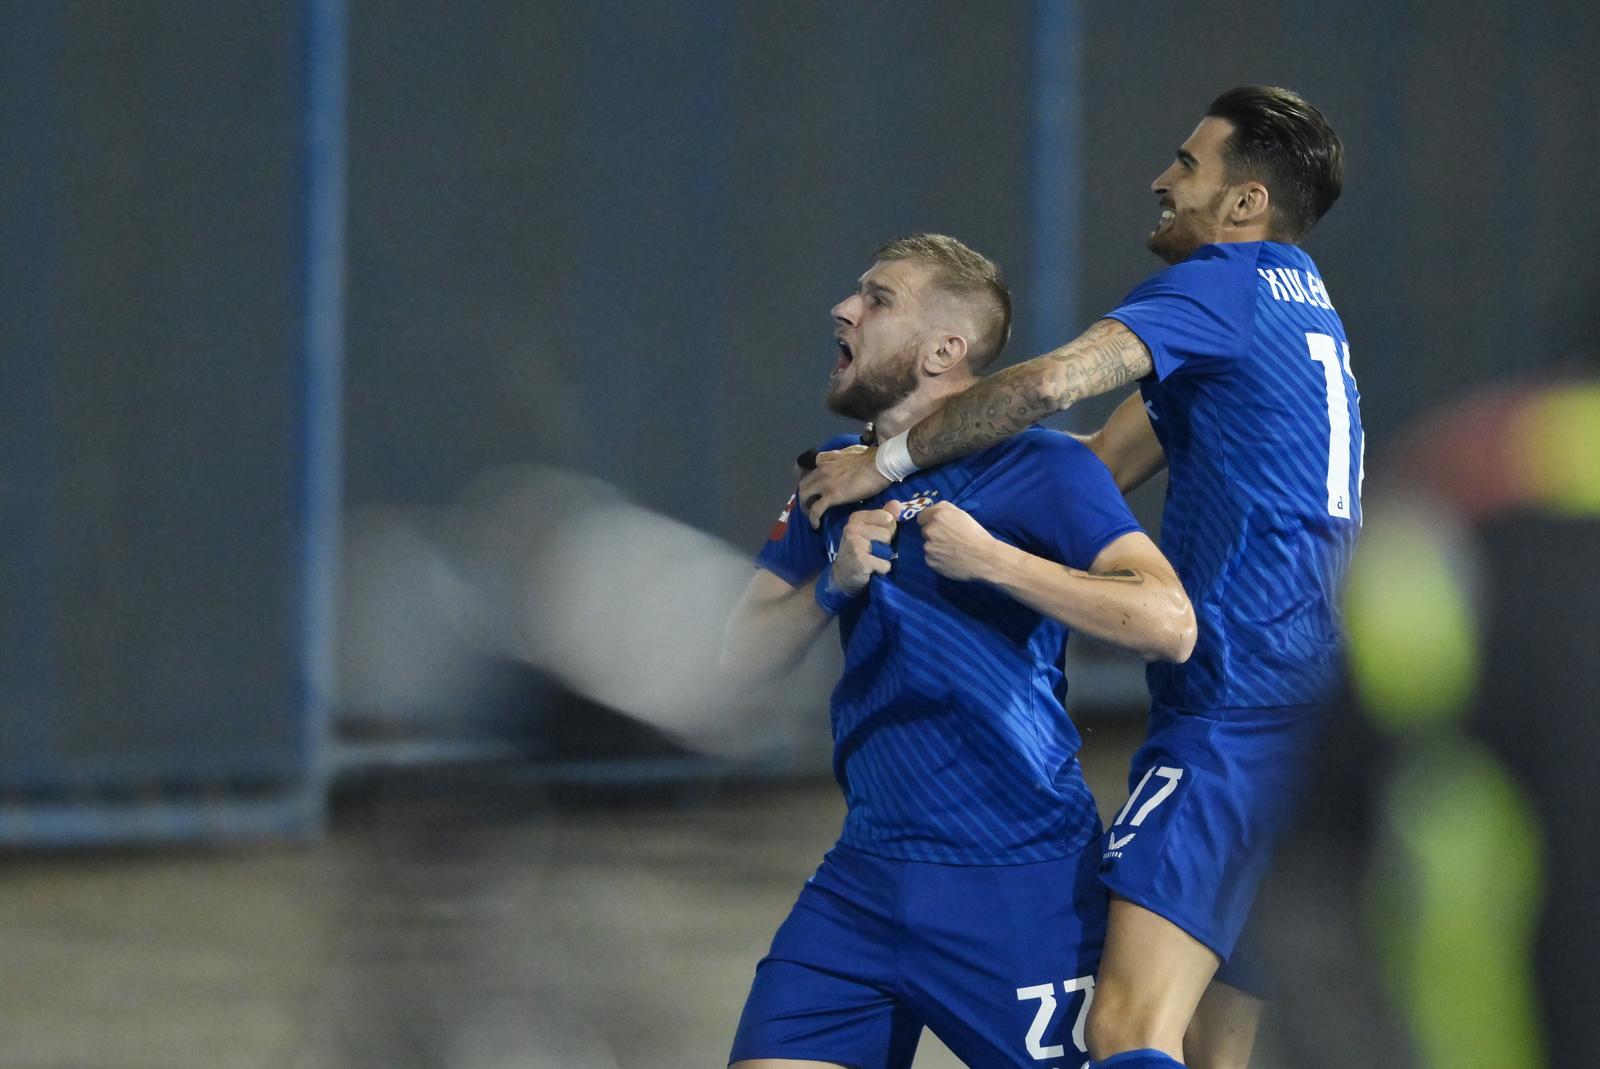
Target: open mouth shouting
<point>847,357</point>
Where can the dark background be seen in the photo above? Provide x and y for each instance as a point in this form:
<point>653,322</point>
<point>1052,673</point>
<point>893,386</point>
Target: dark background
<point>605,237</point>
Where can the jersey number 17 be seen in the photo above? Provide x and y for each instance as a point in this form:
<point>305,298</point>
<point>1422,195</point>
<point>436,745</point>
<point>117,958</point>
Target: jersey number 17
<point>1325,350</point>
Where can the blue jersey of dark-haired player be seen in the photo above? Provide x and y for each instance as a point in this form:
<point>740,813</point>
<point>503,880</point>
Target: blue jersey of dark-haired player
<point>1255,406</point>
<point>952,740</point>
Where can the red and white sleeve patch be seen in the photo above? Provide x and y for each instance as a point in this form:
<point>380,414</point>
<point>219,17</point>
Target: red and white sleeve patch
<point>782,525</point>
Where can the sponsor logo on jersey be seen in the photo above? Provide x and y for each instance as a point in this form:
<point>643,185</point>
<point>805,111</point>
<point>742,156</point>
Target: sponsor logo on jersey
<point>782,526</point>
<point>1114,845</point>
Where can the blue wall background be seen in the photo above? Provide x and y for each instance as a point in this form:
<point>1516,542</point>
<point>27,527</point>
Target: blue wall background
<point>606,236</point>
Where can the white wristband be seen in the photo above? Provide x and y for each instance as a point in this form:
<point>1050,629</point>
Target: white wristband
<point>893,460</point>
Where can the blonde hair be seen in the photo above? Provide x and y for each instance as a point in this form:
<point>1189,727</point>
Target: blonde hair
<point>969,276</point>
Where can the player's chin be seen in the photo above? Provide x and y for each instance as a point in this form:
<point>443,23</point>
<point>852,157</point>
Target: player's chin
<point>1160,242</point>
<point>843,399</point>
<point>839,380</point>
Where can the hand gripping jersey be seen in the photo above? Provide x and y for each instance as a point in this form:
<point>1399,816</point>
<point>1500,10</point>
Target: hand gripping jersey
<point>1256,408</point>
<point>952,742</point>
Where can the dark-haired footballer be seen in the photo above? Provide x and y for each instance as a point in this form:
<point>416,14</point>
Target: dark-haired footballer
<point>963,893</point>
<point>1246,396</point>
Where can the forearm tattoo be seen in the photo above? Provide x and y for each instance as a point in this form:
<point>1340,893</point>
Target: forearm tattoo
<point>1104,357</point>
<point>1121,575</point>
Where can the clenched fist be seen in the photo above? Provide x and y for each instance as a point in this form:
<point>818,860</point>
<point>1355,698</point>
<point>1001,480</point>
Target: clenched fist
<point>956,545</point>
<point>857,562</point>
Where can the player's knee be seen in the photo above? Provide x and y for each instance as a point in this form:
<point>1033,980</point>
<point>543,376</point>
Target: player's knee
<point>1119,1020</point>
<point>1111,1026</point>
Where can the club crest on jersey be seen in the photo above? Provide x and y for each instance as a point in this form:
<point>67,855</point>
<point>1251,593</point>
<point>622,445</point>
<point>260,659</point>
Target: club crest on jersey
<point>782,525</point>
<point>909,509</point>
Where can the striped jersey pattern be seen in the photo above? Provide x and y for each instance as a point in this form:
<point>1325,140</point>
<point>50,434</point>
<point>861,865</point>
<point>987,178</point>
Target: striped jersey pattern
<point>1255,405</point>
<point>952,741</point>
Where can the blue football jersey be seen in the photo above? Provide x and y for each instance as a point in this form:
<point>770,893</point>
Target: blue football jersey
<point>951,738</point>
<point>1256,408</point>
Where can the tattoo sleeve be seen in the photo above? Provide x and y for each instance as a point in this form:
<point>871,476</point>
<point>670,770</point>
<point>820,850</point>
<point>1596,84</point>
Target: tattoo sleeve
<point>1102,358</point>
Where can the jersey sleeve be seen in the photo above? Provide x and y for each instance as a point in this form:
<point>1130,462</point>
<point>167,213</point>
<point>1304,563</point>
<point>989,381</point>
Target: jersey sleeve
<point>1080,511</point>
<point>1195,317</point>
<point>793,551</point>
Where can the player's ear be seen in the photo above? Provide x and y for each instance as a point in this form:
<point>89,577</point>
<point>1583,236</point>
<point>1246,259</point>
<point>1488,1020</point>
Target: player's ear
<point>1252,204</point>
<point>948,354</point>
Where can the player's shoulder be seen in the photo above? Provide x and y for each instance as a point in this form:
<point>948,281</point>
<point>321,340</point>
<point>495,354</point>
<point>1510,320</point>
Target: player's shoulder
<point>1210,272</point>
<point>1264,257</point>
<point>839,441</point>
<point>1050,452</point>
<point>1227,258</point>
<point>1282,254</point>
<point>1044,442</point>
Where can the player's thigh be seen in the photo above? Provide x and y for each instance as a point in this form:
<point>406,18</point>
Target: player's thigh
<point>1222,1032</point>
<point>1002,958</point>
<point>1152,976</point>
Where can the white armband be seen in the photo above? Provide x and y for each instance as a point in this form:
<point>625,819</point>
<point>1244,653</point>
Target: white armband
<point>893,459</point>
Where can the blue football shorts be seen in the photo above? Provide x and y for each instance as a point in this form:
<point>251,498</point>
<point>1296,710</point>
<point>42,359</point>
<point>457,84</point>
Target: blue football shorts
<point>998,960</point>
<point>1209,795</point>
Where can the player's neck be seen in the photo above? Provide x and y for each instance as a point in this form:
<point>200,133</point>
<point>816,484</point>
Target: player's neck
<point>928,397</point>
<point>1255,232</point>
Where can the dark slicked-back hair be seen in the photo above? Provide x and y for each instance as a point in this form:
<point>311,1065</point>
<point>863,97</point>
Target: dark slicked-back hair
<point>1284,143</point>
<point>968,275</point>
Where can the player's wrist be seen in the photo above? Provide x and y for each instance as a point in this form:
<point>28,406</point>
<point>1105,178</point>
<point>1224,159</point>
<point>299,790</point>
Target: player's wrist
<point>830,596</point>
<point>892,458</point>
<point>1000,564</point>
<point>996,559</point>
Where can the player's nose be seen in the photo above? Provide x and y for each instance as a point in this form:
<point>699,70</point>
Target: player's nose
<point>848,310</point>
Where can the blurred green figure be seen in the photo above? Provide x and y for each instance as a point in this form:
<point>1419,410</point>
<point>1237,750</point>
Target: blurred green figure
<point>1468,618</point>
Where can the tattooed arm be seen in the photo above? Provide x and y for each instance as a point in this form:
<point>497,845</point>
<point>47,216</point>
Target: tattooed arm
<point>1099,360</point>
<point>1102,358</point>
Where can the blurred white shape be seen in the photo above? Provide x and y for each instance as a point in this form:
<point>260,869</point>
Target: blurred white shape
<point>630,606</point>
<point>402,655</point>
<point>627,607</point>
<point>544,567</point>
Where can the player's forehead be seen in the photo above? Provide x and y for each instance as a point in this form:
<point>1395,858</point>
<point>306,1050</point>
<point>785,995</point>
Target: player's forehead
<point>1205,144</point>
<point>901,278</point>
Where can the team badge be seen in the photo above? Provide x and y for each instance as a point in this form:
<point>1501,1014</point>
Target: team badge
<point>909,509</point>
